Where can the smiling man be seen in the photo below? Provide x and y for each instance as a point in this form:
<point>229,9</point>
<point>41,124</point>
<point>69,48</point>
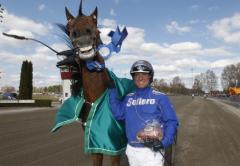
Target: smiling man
<point>150,119</point>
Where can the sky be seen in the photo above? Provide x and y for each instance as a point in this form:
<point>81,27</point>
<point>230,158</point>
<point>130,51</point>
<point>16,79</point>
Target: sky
<point>179,37</point>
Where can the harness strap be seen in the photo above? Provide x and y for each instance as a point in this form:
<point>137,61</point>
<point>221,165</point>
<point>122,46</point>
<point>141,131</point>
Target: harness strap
<point>87,102</point>
<point>94,65</point>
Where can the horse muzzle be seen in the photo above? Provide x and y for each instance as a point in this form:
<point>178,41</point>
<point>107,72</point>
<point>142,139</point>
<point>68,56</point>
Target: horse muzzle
<point>86,53</point>
<point>85,47</point>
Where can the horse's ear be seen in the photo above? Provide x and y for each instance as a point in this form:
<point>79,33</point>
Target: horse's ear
<point>68,14</point>
<point>94,15</point>
<point>80,13</point>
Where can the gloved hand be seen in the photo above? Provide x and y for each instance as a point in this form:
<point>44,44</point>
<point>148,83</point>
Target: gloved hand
<point>148,143</point>
<point>155,145</point>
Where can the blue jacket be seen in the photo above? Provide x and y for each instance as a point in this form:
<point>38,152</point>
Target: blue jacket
<point>141,106</point>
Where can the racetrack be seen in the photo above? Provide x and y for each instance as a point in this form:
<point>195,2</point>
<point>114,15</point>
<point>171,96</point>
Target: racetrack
<point>209,135</point>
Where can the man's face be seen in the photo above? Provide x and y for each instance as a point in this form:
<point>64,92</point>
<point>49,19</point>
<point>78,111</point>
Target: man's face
<point>141,80</point>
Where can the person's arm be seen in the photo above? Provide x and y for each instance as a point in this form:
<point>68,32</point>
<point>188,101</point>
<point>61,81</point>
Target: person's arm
<point>116,105</point>
<point>170,121</point>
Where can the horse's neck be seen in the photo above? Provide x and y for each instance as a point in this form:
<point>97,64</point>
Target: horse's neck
<point>94,84</point>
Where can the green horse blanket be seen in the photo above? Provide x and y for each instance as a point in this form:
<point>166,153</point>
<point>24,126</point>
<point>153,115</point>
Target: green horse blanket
<point>103,134</point>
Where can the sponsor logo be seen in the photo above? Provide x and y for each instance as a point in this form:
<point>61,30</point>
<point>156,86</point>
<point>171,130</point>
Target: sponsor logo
<point>140,101</point>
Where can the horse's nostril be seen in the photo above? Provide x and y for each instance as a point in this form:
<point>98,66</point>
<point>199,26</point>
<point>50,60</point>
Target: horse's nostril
<point>88,31</point>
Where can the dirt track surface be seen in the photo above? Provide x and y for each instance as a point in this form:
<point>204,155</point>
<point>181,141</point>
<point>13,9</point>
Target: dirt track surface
<point>209,135</point>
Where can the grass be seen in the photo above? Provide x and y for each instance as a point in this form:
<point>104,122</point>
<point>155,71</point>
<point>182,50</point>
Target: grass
<point>45,97</point>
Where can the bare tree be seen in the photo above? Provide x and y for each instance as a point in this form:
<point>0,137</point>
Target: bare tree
<point>198,82</point>
<point>238,72</point>
<point>230,76</point>
<point>176,81</point>
<point>8,89</point>
<point>155,83</point>
<point>177,86</point>
<point>210,81</point>
<point>161,85</point>
<point>237,75</point>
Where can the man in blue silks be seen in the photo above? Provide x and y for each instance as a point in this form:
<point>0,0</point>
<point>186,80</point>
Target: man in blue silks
<point>150,119</point>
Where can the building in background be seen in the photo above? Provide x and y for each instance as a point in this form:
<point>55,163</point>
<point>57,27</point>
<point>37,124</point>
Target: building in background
<point>66,74</point>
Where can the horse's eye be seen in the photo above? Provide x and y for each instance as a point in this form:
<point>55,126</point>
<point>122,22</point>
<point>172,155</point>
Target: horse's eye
<point>74,34</point>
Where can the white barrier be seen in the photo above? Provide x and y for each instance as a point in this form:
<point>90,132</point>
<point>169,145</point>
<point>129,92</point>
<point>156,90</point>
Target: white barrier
<point>17,101</point>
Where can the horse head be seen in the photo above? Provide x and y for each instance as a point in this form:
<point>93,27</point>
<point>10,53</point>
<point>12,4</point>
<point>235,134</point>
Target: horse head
<point>83,37</point>
<point>83,33</point>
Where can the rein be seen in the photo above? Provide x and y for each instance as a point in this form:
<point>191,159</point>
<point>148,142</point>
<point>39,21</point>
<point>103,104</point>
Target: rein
<point>87,102</point>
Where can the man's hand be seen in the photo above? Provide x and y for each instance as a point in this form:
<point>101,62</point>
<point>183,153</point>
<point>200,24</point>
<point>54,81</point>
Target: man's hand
<point>155,145</point>
<point>148,143</point>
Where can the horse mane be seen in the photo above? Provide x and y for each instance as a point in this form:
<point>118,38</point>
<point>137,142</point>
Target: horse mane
<point>67,39</point>
<point>65,36</point>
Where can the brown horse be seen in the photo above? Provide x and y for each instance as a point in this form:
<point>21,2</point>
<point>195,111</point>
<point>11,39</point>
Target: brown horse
<point>84,39</point>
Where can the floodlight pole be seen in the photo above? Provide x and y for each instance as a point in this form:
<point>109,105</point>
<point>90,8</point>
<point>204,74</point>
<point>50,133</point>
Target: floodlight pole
<point>25,38</point>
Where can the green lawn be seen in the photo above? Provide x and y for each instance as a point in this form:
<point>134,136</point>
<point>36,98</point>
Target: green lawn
<point>45,97</point>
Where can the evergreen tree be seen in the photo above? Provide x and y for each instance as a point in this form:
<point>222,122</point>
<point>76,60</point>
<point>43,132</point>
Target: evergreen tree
<point>22,89</point>
<point>25,87</point>
<point>29,80</point>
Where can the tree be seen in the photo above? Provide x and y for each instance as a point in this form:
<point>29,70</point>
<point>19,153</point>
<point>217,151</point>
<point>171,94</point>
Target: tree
<point>8,89</point>
<point>25,87</point>
<point>23,83</point>
<point>55,88</point>
<point>198,83</point>
<point>176,81</point>
<point>177,86</point>
<point>238,72</point>
<point>230,76</point>
<point>29,79</point>
<point>161,85</point>
<point>210,81</point>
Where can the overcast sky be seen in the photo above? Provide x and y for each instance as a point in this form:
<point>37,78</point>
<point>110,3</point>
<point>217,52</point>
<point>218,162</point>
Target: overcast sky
<point>179,37</point>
